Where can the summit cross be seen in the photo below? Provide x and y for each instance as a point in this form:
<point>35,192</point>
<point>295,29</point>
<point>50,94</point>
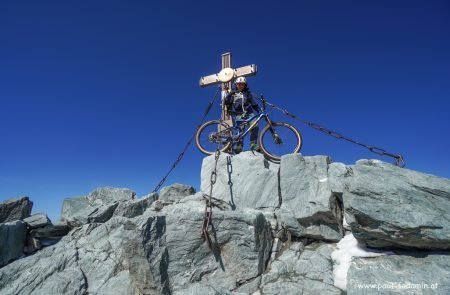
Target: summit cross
<point>225,76</point>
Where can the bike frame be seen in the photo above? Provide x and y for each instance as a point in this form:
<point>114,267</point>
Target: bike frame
<point>237,128</point>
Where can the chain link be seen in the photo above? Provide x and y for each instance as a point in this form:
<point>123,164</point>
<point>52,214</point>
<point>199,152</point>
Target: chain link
<point>207,218</point>
<point>180,157</point>
<point>399,159</point>
<point>229,170</point>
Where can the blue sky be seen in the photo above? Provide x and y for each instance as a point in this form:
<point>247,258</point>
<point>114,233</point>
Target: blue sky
<point>105,93</point>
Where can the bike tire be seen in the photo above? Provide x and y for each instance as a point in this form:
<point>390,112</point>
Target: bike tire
<point>285,128</point>
<point>203,134</point>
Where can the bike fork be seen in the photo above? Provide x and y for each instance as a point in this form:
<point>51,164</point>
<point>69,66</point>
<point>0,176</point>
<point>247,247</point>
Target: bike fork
<point>270,125</point>
<point>274,133</point>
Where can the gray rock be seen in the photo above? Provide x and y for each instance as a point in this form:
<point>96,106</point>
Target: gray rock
<point>37,220</point>
<point>78,211</point>
<point>249,287</point>
<point>251,183</point>
<point>118,284</point>
<point>32,245</point>
<point>108,195</point>
<point>315,263</point>
<point>310,207</point>
<point>300,270</point>
<point>175,192</point>
<point>75,211</point>
<point>203,289</point>
<point>41,235</point>
<point>15,209</point>
<point>317,231</point>
<point>135,208</point>
<point>154,253</point>
<point>295,286</point>
<point>388,206</point>
<point>50,231</point>
<point>157,205</point>
<point>337,173</point>
<point>102,213</point>
<point>98,206</point>
<point>414,273</point>
<point>178,256</point>
<point>266,246</point>
<point>88,260</point>
<point>12,241</point>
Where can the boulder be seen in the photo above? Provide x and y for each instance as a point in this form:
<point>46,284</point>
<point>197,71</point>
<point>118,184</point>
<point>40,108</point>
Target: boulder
<point>387,206</point>
<point>175,192</point>
<point>89,260</point>
<point>50,231</point>
<point>178,256</point>
<point>37,220</point>
<point>154,253</point>
<point>246,180</point>
<point>98,206</point>
<point>135,207</point>
<point>411,273</point>
<point>12,241</point>
<point>108,195</point>
<point>15,209</point>
<point>272,231</point>
<point>298,190</point>
<point>300,269</point>
<point>309,207</point>
<point>75,211</point>
<point>337,173</point>
<point>157,205</point>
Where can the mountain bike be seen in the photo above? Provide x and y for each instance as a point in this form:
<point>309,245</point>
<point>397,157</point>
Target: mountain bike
<point>275,140</point>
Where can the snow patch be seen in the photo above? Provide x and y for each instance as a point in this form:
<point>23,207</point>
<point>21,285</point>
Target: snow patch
<point>347,248</point>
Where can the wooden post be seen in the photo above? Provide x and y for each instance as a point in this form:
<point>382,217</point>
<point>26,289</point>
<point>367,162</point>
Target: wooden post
<point>226,87</point>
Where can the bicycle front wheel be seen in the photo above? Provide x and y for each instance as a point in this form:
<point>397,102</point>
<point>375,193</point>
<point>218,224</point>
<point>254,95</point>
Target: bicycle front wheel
<point>278,139</point>
<point>211,135</point>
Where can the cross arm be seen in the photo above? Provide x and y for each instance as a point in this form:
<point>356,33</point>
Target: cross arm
<point>239,72</point>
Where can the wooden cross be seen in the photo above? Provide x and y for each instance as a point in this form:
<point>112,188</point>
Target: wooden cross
<point>225,76</point>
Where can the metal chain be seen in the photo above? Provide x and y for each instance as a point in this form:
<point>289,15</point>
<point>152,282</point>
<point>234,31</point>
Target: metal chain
<point>229,170</point>
<point>207,218</point>
<point>181,155</point>
<point>399,159</point>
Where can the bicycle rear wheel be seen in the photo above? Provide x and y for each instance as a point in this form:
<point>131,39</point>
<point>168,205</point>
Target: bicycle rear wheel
<point>212,134</point>
<point>279,139</point>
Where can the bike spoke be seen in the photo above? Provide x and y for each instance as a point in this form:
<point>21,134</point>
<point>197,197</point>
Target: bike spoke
<point>280,140</point>
<point>210,137</point>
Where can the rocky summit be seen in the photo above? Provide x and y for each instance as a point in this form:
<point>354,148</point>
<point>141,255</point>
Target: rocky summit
<point>304,225</point>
